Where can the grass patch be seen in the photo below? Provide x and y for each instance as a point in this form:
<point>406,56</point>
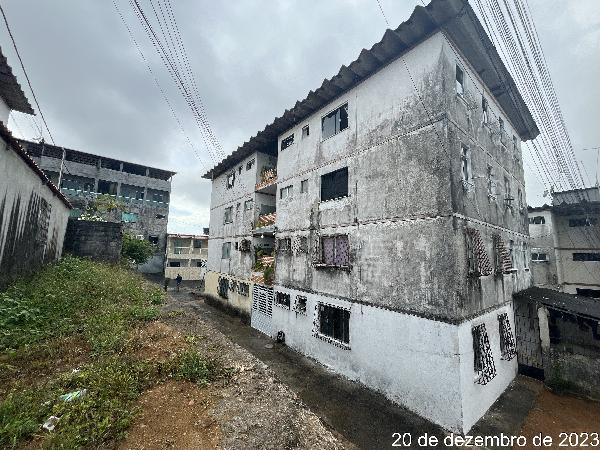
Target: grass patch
<point>96,306</point>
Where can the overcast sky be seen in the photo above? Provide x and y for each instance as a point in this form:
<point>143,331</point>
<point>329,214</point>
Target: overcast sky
<point>252,60</point>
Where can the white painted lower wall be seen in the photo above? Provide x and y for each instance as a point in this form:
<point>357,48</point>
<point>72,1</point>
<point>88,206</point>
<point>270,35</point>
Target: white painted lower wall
<point>421,364</point>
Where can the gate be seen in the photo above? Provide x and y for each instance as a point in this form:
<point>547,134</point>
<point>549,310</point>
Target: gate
<point>262,309</point>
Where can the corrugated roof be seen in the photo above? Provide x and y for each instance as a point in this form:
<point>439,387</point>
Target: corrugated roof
<point>10,89</point>
<point>457,19</point>
<point>574,304</point>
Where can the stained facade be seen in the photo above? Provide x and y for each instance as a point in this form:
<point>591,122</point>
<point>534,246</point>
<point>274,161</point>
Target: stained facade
<point>145,191</point>
<point>400,226</point>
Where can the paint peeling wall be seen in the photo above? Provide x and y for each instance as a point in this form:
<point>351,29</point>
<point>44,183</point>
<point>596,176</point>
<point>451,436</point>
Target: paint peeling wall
<point>33,220</point>
<point>544,273</point>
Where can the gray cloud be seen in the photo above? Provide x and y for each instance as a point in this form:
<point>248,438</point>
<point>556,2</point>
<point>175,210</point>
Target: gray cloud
<point>252,59</point>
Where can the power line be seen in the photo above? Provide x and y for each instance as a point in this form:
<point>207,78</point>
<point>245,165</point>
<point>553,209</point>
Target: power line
<point>25,72</point>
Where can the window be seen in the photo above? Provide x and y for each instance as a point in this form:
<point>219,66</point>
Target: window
<point>300,306</point>
<point>286,142</point>
<point>511,252</point>
<point>490,182</point>
<point>223,289</point>
<point>335,250</point>
<point>539,257</point>
<point>525,259</point>
<point>285,192</point>
<point>483,362</point>
<point>129,217</point>
<point>586,256</point>
<point>282,300</point>
<point>161,216</point>
<point>537,220</point>
<point>174,263</point>
<point>158,196</point>
<point>249,164</point>
<point>583,222</point>
<point>244,289</point>
<point>334,323</point>
<point>130,191</point>
<point>508,349</point>
<point>460,81</point>
<point>284,245</point>
<point>334,184</point>
<point>240,170</point>
<point>200,263</point>
<point>197,243</point>
<point>153,240</point>
<point>466,165</point>
<point>507,192</point>
<point>305,131</point>
<point>228,215</point>
<point>485,108</point>
<point>230,180</point>
<point>108,187</point>
<point>304,186</point>
<point>248,205</point>
<point>226,250</point>
<point>594,293</point>
<point>515,146</point>
<point>502,132</point>
<point>520,199</point>
<point>335,121</point>
<point>477,258</point>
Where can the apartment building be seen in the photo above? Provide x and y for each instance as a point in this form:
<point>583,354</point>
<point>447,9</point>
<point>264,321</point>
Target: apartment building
<point>565,241</point>
<point>186,255</point>
<point>145,191</point>
<point>400,224</point>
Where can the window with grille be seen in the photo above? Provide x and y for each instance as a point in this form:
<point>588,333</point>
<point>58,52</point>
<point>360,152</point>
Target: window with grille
<point>300,306</point>
<point>483,361</point>
<point>508,349</point>
<point>249,164</point>
<point>335,121</point>
<point>539,257</point>
<point>228,215</point>
<point>223,289</point>
<point>334,322</point>
<point>335,251</point>
<point>305,131</point>
<point>226,250</point>
<point>244,289</point>
<point>248,205</point>
<point>286,142</point>
<point>334,184</point>
<point>284,245</point>
<point>282,300</point>
<point>230,180</point>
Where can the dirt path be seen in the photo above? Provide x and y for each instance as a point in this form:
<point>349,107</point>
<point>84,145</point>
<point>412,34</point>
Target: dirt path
<point>251,410</point>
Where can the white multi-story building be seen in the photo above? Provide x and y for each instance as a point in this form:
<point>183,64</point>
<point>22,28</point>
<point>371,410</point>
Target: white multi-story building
<point>186,256</point>
<point>401,224</point>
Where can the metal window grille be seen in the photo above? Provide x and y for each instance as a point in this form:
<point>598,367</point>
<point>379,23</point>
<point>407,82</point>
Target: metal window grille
<point>508,348</point>
<point>285,143</point>
<point>262,300</point>
<point>282,300</point>
<point>502,256</point>
<point>300,306</point>
<point>223,287</point>
<point>479,262</point>
<point>334,322</point>
<point>483,361</point>
<point>335,250</point>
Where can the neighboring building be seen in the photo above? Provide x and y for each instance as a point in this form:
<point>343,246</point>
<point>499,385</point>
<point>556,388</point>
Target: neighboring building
<point>144,190</point>
<point>186,255</point>
<point>565,241</point>
<point>396,200</point>
<point>33,212</point>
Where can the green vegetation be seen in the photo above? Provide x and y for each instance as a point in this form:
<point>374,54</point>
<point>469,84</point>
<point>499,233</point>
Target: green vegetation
<point>94,307</point>
<point>137,250</point>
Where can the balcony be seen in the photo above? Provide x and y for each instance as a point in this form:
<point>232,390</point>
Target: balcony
<point>265,224</point>
<point>268,181</point>
<point>187,253</point>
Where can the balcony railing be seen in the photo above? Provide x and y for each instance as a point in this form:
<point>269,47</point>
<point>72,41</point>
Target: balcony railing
<point>267,178</point>
<point>195,253</point>
<point>265,220</point>
<point>69,192</point>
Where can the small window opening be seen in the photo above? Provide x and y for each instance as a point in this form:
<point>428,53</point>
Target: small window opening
<point>334,322</point>
<point>249,164</point>
<point>230,180</point>
<point>226,250</point>
<point>460,81</point>
<point>282,300</point>
<point>304,186</point>
<point>508,349</point>
<point>485,108</point>
<point>285,192</point>
<point>228,215</point>
<point>300,304</point>
<point>335,250</point>
<point>334,184</point>
<point>483,362</point>
<point>305,131</point>
<point>285,143</point>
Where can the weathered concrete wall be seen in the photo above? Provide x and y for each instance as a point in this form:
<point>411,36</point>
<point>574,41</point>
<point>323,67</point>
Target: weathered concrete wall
<point>572,360</point>
<point>544,273</point>
<point>424,365</point>
<point>187,273</point>
<point>235,300</point>
<point>33,219</point>
<point>101,241</point>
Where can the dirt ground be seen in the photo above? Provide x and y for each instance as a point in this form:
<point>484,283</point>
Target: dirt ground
<point>554,414</point>
<point>250,410</point>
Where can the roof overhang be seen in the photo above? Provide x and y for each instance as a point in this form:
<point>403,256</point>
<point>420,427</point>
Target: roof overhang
<point>10,89</point>
<point>459,23</point>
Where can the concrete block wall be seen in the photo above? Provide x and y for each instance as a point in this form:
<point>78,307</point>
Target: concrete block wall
<point>100,241</point>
